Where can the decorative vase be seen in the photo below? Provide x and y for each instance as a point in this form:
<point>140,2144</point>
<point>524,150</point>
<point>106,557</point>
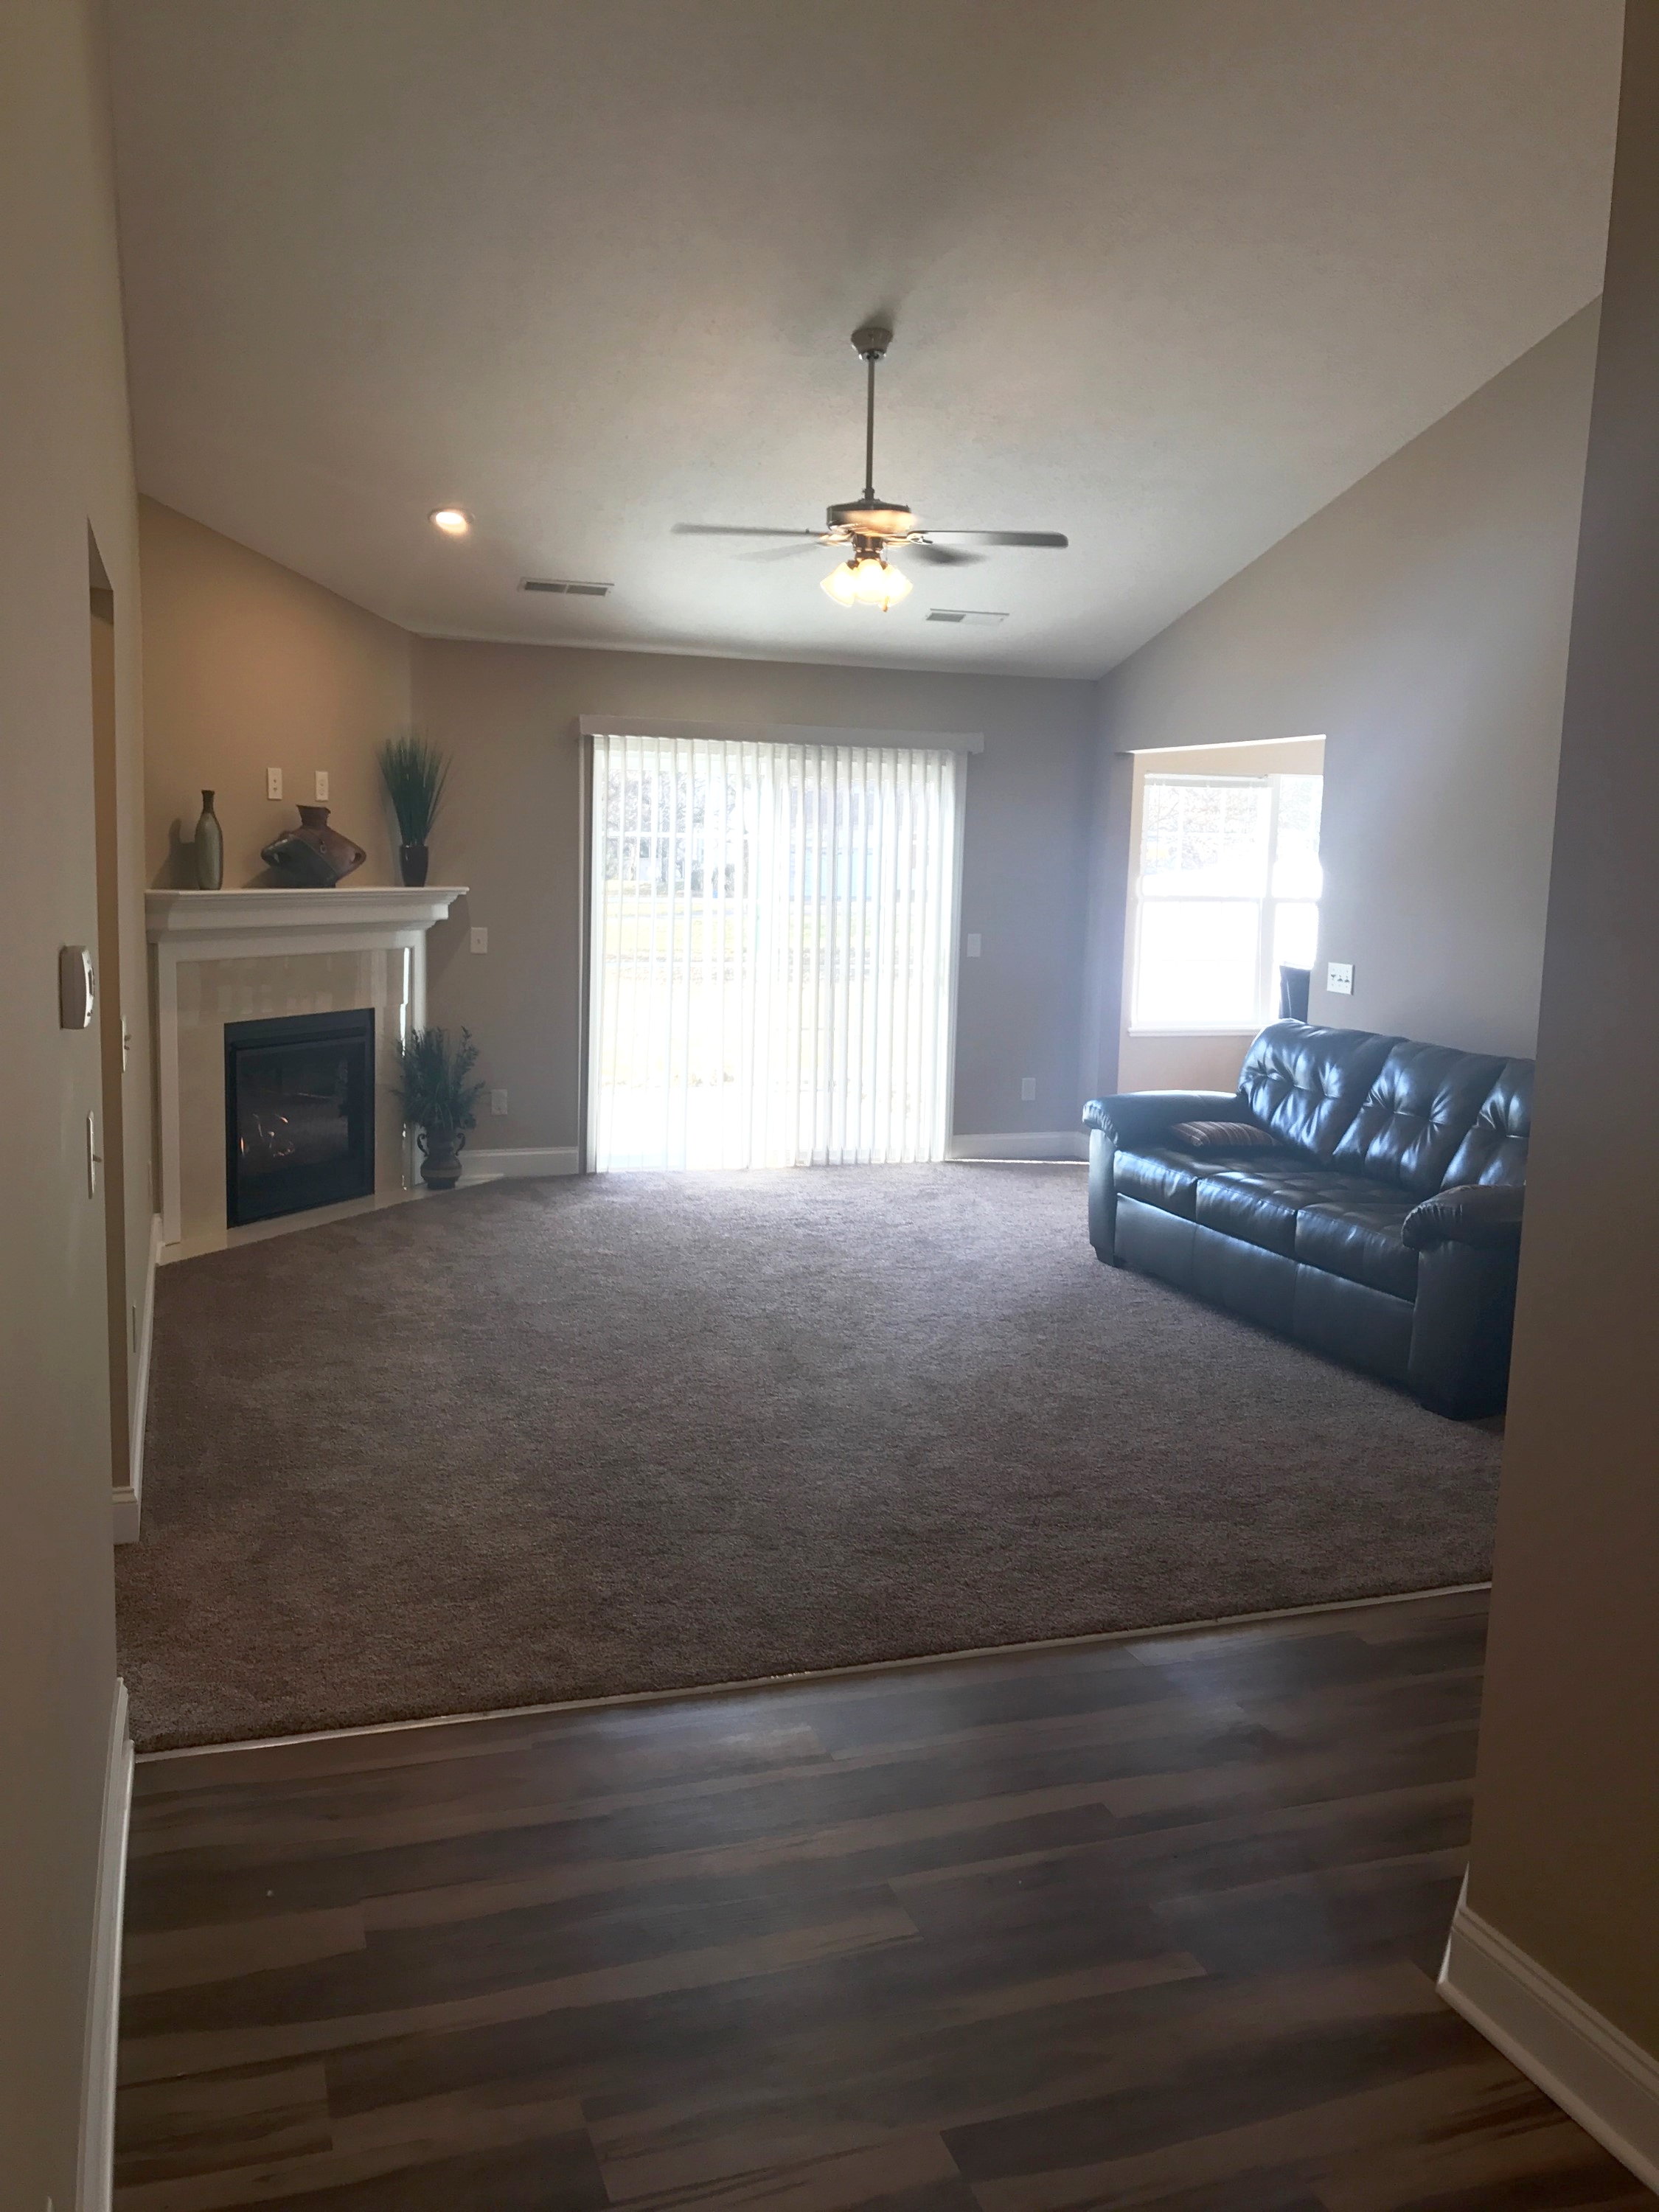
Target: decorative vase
<point>413,863</point>
<point>441,1157</point>
<point>312,855</point>
<point>209,843</point>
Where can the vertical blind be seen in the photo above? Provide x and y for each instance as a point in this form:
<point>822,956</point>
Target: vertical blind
<point>772,930</point>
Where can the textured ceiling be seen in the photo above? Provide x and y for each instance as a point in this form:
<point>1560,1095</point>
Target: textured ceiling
<point>1166,275</point>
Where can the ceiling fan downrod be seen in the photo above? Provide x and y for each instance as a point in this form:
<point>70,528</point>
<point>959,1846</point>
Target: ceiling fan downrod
<point>870,343</point>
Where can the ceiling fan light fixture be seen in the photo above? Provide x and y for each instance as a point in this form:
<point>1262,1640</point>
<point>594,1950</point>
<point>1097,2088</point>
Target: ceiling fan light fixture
<point>866,580</point>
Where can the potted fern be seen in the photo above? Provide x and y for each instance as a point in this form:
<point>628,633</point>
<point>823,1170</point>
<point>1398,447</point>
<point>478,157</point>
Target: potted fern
<point>414,773</point>
<point>440,1098</point>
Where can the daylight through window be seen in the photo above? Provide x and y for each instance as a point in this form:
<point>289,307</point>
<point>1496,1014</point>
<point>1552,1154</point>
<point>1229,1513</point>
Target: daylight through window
<point>1227,891</point>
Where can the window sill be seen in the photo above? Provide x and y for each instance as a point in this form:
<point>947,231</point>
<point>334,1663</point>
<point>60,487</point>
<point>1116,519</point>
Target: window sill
<point>1230,1029</point>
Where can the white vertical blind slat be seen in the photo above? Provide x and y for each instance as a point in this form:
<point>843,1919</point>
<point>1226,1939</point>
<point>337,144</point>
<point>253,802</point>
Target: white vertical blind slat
<point>772,928</point>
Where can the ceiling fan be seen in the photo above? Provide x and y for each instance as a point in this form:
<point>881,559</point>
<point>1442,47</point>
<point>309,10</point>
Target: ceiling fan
<point>873,527</point>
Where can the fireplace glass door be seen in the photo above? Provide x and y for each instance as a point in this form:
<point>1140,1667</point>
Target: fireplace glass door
<point>299,1113</point>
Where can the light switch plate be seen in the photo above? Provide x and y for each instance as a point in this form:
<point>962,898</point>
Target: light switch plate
<point>973,945</point>
<point>273,783</point>
<point>1028,1087</point>
<point>481,940</point>
<point>498,1101</point>
<point>1338,977</point>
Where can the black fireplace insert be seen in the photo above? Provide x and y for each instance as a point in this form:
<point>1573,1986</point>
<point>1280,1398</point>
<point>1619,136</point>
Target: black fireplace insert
<point>299,1113</point>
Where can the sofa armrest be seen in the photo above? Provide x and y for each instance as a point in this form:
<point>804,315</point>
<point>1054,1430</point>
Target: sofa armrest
<point>1135,1116</point>
<point>1485,1216</point>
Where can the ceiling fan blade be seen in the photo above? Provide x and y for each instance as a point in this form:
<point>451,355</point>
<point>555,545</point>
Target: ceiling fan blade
<point>736,530</point>
<point>781,552</point>
<point>940,556</point>
<point>1051,537</point>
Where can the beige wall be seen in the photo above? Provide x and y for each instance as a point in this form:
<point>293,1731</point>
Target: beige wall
<point>514,834</point>
<point>248,666</point>
<point>1566,1829</point>
<point>62,410</point>
<point>1160,1061</point>
<point>1419,622</point>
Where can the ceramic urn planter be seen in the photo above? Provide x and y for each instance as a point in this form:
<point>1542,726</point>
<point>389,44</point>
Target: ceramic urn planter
<point>314,856</point>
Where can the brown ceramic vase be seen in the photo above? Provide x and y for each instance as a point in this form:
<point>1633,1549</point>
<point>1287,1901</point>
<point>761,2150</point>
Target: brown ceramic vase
<point>313,856</point>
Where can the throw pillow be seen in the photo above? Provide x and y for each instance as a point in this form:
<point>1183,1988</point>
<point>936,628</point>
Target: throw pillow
<point>1221,1136</point>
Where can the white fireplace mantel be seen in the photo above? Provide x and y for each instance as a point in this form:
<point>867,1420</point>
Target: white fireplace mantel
<point>347,914</point>
<point>185,927</point>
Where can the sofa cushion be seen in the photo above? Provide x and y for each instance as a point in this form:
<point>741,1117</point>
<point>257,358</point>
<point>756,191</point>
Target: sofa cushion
<point>1495,1150</point>
<point>1306,1083</point>
<point>1158,1175</point>
<point>1415,1116</point>
<point>1257,1202</point>
<point>1358,1236</point>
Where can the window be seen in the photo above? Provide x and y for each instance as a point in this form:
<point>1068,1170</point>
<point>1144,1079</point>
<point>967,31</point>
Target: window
<point>1227,891</point>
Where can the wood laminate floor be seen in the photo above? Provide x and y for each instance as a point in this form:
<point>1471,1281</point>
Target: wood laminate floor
<point>1150,1923</point>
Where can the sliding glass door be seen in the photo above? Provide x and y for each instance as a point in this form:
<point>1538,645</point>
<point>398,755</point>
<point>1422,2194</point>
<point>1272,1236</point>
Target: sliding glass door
<point>772,935</point>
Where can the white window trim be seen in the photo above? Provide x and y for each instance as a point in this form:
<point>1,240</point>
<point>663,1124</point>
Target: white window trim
<point>777,733</point>
<point>1274,781</point>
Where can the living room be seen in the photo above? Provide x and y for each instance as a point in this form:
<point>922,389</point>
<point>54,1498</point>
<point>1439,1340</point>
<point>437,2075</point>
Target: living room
<point>629,1573</point>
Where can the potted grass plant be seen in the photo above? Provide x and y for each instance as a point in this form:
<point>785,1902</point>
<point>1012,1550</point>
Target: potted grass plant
<point>414,772</point>
<point>440,1098</point>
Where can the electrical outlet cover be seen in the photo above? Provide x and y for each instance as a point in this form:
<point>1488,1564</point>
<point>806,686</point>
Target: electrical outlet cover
<point>273,783</point>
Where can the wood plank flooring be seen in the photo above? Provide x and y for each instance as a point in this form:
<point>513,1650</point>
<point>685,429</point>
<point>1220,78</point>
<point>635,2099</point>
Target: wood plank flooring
<point>1148,1923</point>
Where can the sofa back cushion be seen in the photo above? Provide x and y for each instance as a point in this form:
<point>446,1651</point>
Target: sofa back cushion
<point>1306,1083</point>
<point>1494,1152</point>
<point>1416,1115</point>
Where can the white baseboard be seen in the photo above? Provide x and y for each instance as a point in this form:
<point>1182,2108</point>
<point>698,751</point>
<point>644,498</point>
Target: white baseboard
<point>1022,1145</point>
<point>128,1496</point>
<point>1591,2069</point>
<point>483,1160</point>
<point>94,2186</point>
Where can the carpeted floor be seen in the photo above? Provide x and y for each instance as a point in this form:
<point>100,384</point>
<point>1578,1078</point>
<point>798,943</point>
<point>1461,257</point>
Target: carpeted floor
<point>545,1440</point>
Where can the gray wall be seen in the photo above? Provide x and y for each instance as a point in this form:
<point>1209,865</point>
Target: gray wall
<point>1566,1825</point>
<point>1419,624</point>
<point>514,834</point>
<point>68,468</point>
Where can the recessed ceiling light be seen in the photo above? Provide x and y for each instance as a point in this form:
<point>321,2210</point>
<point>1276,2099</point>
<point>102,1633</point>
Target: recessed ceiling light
<point>453,521</point>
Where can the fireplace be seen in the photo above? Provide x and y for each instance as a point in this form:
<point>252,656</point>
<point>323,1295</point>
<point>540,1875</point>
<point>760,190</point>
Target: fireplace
<point>299,1113</point>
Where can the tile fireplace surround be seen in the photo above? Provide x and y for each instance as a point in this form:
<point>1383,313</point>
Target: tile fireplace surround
<point>219,957</point>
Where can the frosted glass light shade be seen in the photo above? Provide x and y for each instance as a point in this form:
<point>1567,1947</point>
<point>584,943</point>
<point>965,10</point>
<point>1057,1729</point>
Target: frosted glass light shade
<point>867,581</point>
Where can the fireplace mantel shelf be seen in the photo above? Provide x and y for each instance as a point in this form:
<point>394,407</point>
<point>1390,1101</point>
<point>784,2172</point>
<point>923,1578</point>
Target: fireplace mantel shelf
<point>346,911</point>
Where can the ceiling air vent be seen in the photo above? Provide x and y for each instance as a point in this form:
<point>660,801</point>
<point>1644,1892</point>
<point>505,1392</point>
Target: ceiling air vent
<point>968,617</point>
<point>566,586</point>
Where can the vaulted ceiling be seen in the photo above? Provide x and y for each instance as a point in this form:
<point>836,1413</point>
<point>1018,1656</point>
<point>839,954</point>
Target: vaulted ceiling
<point>1166,275</point>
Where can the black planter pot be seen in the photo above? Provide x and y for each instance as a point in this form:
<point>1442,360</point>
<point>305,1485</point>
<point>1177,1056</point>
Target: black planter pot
<point>413,863</point>
<point>441,1157</point>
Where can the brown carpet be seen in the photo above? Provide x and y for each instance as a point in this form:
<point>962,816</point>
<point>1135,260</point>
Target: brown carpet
<point>545,1440</point>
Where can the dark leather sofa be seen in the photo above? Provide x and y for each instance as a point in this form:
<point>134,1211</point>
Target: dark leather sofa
<point>1362,1194</point>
